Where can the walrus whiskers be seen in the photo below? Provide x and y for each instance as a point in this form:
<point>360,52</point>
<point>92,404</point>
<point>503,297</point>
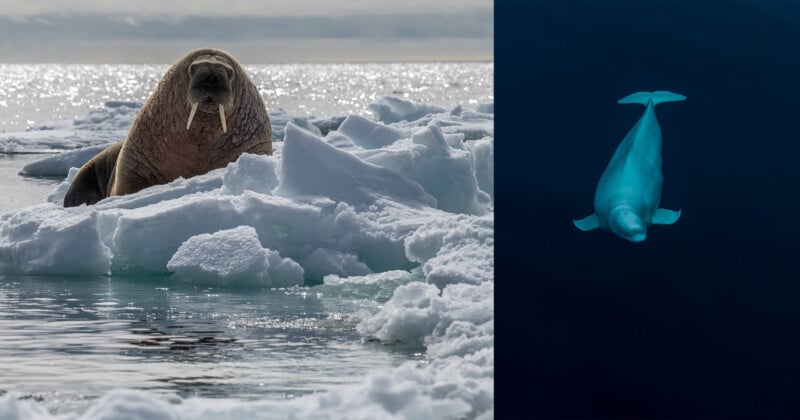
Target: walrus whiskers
<point>222,118</point>
<point>191,115</point>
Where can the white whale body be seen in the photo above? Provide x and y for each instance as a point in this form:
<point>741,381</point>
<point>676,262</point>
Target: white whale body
<point>629,191</point>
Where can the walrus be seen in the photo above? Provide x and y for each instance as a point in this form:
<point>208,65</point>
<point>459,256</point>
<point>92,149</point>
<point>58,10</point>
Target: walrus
<point>204,113</point>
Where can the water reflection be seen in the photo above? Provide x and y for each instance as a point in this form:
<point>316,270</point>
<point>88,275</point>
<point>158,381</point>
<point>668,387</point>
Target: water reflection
<point>36,93</point>
<point>67,341</point>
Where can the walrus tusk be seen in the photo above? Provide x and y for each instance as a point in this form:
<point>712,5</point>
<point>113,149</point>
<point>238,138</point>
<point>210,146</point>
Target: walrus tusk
<point>222,118</point>
<point>191,115</point>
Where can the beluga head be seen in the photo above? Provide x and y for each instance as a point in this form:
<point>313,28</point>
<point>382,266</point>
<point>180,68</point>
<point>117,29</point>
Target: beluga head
<point>210,87</point>
<point>626,223</point>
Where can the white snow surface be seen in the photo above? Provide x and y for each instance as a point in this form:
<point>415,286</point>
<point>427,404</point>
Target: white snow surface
<point>369,201</point>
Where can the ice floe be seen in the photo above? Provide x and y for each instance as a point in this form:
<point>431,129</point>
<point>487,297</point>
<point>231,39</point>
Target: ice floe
<point>342,200</point>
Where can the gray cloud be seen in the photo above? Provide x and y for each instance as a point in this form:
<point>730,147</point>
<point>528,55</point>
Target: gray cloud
<point>465,34</point>
<point>19,8</point>
<point>474,24</point>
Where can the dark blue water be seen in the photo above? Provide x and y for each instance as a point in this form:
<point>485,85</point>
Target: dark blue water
<point>700,320</point>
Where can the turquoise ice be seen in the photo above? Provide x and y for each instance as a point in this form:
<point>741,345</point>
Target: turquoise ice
<point>629,191</point>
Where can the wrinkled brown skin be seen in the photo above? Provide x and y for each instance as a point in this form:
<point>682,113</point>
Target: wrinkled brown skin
<point>159,148</point>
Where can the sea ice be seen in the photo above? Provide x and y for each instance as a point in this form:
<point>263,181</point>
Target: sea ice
<point>391,109</point>
<point>369,134</point>
<point>59,165</point>
<point>404,200</point>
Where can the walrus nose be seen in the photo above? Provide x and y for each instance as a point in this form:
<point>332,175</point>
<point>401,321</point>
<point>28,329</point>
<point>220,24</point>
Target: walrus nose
<point>209,85</point>
<point>209,80</point>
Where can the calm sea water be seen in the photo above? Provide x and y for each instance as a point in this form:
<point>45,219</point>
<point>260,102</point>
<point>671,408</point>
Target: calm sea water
<point>66,341</point>
<point>17,192</point>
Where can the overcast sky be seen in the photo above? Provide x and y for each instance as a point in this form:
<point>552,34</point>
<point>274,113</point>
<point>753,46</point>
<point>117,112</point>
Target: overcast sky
<point>160,31</point>
<point>235,7</point>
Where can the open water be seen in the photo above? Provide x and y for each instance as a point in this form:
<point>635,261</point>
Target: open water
<point>700,320</point>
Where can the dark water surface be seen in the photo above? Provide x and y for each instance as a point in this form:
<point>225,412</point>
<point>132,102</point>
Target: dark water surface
<point>67,341</point>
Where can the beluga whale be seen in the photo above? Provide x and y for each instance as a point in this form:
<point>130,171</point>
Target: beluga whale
<point>629,191</point>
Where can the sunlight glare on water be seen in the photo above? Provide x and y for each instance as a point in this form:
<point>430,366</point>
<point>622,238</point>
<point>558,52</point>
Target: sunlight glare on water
<point>35,93</point>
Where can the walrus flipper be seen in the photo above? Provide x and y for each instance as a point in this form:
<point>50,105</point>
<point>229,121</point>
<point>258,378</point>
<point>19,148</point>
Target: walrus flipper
<point>91,183</point>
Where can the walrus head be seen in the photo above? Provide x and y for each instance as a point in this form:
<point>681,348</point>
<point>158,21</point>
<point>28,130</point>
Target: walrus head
<point>210,80</point>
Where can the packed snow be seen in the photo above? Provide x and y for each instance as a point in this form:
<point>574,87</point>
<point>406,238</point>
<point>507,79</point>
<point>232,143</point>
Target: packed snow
<point>345,199</point>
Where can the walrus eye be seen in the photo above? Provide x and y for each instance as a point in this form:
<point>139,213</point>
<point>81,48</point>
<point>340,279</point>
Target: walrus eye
<point>192,69</point>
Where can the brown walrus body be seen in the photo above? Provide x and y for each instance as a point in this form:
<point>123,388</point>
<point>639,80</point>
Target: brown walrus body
<point>203,115</point>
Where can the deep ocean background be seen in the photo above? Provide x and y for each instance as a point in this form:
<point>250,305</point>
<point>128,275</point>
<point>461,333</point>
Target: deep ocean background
<point>702,319</point>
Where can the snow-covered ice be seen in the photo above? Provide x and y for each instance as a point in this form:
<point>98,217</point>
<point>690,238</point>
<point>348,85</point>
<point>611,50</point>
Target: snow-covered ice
<point>342,200</point>
<point>391,109</point>
<point>233,257</point>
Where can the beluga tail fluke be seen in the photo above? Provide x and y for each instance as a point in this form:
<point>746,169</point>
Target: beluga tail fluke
<point>629,191</point>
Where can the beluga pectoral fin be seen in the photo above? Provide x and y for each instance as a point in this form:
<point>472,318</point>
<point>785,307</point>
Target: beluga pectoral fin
<point>191,115</point>
<point>222,118</point>
<point>587,223</point>
<point>666,217</point>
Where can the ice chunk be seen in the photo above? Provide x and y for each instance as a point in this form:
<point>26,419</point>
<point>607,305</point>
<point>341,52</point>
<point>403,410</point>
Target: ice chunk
<point>369,134</point>
<point>340,141</point>
<point>54,141</point>
<point>313,167</point>
<point>322,262</point>
<point>45,239</point>
<point>391,109</point>
<point>113,116</point>
<point>411,314</point>
<point>325,126</point>
<point>11,407</point>
<point>457,250</point>
<point>59,165</point>
<point>446,173</point>
<point>280,118</point>
<point>483,151</point>
<point>233,257</point>
<point>130,404</point>
<point>251,172</point>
